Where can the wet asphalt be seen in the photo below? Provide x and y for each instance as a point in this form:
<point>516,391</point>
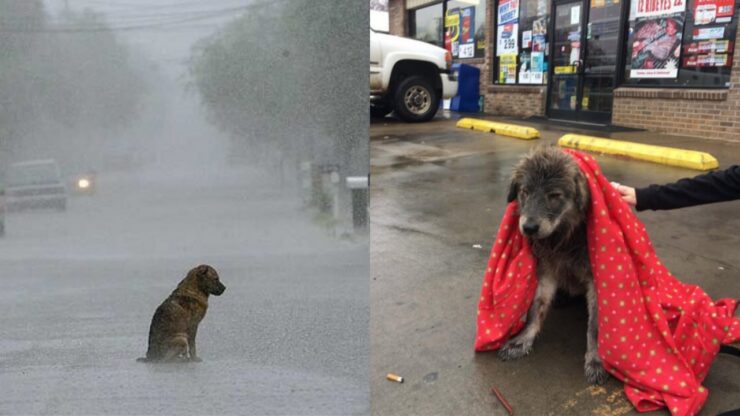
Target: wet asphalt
<point>289,335</point>
<point>437,192</point>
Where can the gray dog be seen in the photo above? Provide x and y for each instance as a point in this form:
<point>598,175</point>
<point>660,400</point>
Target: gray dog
<point>554,201</point>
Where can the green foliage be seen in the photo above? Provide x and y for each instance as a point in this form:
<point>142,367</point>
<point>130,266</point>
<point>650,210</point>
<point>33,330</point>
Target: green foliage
<point>78,80</point>
<point>288,78</point>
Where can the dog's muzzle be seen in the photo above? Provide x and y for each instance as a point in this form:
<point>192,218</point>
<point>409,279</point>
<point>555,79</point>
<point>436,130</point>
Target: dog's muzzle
<point>530,229</point>
<point>219,290</point>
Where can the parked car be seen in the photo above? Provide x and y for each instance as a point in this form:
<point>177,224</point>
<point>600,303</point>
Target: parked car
<point>409,77</point>
<point>35,184</point>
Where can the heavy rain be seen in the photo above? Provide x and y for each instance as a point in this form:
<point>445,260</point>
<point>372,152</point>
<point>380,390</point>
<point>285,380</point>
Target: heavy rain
<point>140,138</point>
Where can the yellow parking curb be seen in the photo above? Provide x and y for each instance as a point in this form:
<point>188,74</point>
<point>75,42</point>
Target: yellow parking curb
<point>659,154</point>
<point>504,129</point>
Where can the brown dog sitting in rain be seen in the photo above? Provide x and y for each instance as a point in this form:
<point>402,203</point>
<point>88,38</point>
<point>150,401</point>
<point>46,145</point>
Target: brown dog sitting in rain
<point>175,322</point>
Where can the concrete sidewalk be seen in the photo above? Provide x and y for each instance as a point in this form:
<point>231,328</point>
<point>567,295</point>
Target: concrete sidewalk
<point>439,191</point>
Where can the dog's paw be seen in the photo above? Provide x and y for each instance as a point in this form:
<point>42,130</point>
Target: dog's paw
<point>514,349</point>
<point>595,372</point>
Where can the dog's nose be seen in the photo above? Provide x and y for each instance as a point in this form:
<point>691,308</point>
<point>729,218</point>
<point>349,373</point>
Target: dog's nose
<point>530,228</point>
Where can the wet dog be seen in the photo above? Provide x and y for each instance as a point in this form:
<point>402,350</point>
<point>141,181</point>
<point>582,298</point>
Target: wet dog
<point>554,201</point>
<point>175,322</point>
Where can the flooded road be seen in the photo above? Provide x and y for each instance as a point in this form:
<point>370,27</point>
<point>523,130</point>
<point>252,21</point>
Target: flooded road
<point>80,288</point>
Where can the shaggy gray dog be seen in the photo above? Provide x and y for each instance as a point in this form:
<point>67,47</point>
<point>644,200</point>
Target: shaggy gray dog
<point>554,202</point>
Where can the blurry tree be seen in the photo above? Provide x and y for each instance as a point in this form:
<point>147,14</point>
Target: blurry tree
<point>73,75</point>
<point>283,82</point>
<point>20,24</point>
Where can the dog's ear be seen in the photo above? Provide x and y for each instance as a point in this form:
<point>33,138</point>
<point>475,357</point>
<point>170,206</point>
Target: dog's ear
<point>582,196</point>
<point>513,189</point>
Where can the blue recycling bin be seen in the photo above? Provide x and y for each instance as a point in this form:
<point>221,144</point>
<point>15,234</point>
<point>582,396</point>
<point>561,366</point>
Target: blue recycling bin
<point>468,89</point>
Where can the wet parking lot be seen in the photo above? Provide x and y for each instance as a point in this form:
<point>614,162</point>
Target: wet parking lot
<point>438,194</point>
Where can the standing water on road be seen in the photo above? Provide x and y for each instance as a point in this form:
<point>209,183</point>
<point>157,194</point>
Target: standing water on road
<point>216,132</point>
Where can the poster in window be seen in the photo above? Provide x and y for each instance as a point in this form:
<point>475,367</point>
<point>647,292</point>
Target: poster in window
<point>467,33</point>
<point>656,46</point>
<point>526,39</point>
<point>508,11</point>
<point>707,12</point>
<point>532,68</point>
<point>507,39</point>
<point>507,69</point>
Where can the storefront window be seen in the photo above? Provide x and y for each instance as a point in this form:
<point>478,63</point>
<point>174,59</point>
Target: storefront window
<point>680,44</point>
<point>458,26</point>
<point>465,28</point>
<point>521,42</point>
<point>425,24</point>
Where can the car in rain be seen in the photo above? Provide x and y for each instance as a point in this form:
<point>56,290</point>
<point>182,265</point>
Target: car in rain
<point>35,184</point>
<point>84,183</point>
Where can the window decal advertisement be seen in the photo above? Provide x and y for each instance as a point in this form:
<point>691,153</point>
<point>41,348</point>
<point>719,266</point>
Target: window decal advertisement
<point>508,11</point>
<point>653,8</point>
<point>467,33</point>
<point>460,33</point>
<point>452,31</point>
<point>507,69</point>
<point>507,39</point>
<point>709,33</point>
<point>707,12</point>
<point>656,46</point>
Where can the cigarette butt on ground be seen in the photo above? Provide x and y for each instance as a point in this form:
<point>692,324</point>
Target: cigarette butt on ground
<point>394,377</point>
<point>503,401</point>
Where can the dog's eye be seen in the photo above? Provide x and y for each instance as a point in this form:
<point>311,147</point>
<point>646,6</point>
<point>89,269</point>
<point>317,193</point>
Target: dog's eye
<point>554,195</point>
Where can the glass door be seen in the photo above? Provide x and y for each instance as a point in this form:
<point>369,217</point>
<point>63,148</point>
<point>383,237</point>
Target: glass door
<point>584,59</point>
<point>567,60</point>
<point>600,61</point>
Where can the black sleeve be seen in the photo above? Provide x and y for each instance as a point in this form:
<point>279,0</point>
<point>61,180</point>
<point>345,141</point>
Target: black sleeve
<point>717,186</point>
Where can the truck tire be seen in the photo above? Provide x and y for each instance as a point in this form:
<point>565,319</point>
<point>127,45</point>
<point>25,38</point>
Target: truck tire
<point>415,99</point>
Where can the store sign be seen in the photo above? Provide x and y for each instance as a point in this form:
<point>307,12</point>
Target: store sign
<point>507,39</point>
<point>649,8</point>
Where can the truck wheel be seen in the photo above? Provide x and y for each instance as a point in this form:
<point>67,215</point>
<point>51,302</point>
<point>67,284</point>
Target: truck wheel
<point>416,100</point>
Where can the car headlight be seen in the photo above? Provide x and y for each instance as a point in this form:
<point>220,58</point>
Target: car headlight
<point>83,183</point>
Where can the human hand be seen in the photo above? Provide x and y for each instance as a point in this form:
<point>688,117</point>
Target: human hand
<point>627,193</point>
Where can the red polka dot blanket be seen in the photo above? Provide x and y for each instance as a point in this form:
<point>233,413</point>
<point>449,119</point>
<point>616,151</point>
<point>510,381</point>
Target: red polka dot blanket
<point>657,335</point>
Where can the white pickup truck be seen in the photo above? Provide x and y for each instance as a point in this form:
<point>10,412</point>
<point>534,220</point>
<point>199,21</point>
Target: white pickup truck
<point>409,77</point>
